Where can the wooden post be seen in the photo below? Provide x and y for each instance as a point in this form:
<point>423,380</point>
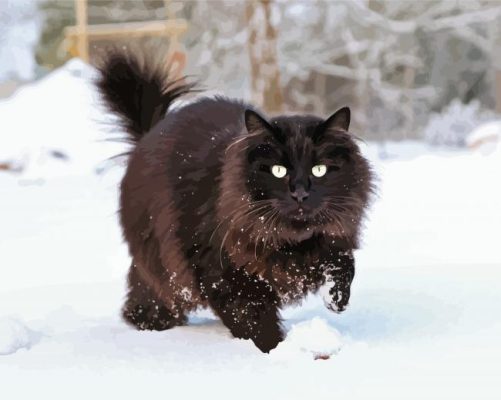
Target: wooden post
<point>408,103</point>
<point>169,10</point>
<point>495,39</point>
<point>498,90</point>
<point>82,39</point>
<point>262,46</point>
<point>176,57</point>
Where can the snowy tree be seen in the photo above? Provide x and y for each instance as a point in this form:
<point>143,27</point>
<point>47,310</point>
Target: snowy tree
<point>19,27</point>
<point>392,61</point>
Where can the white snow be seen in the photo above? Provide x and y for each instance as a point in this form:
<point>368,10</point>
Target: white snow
<point>14,335</point>
<point>454,123</point>
<point>59,113</point>
<point>311,338</point>
<point>485,138</point>
<point>423,320</point>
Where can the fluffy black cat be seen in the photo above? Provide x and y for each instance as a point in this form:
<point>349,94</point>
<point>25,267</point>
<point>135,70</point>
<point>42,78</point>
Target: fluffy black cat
<point>224,208</point>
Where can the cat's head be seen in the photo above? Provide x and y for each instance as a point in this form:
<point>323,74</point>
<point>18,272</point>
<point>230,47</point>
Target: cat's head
<point>303,175</point>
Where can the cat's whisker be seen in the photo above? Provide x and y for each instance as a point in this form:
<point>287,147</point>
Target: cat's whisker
<point>270,219</point>
<point>241,139</point>
<point>221,248</point>
<point>235,214</point>
<point>340,211</point>
<point>335,220</point>
<point>234,143</point>
<point>262,219</point>
<point>341,196</point>
<point>345,200</point>
<point>273,225</point>
<point>270,227</point>
<point>353,203</point>
<point>322,217</point>
<point>233,221</point>
<point>341,203</point>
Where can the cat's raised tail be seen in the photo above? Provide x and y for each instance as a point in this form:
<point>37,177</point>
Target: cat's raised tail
<point>137,89</point>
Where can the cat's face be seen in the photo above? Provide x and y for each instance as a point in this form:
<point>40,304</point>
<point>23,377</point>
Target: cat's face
<point>307,174</point>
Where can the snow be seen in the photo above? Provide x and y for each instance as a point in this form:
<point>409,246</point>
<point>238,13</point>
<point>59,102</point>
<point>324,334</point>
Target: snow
<point>485,138</point>
<point>453,125</point>
<point>313,337</point>
<point>14,335</point>
<point>423,320</point>
<point>54,115</point>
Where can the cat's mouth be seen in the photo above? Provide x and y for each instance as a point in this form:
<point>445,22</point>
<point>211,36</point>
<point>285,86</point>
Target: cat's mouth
<point>301,214</point>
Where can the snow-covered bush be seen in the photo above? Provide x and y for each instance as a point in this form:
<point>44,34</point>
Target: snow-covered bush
<point>452,126</point>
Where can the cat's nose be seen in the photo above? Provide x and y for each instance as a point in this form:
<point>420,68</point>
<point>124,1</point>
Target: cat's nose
<point>299,194</point>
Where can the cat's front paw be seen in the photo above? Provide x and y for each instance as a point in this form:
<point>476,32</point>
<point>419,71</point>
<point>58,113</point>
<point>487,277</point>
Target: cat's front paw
<point>339,301</point>
<point>264,336</point>
<point>268,340</point>
<point>336,296</point>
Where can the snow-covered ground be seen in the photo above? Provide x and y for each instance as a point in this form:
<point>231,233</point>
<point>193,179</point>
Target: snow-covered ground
<point>423,322</point>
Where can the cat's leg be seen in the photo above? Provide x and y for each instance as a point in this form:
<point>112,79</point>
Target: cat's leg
<point>143,308</point>
<point>339,273</point>
<point>247,306</point>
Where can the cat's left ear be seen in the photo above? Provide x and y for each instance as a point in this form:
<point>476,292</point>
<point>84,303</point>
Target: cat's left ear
<point>339,121</point>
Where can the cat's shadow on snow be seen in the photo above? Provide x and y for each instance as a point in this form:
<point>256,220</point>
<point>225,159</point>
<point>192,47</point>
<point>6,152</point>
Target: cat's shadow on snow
<point>381,310</point>
<point>372,317</point>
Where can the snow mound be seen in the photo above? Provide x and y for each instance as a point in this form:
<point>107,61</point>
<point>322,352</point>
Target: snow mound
<point>58,126</point>
<point>313,338</point>
<point>14,335</point>
<point>485,138</point>
<point>452,125</point>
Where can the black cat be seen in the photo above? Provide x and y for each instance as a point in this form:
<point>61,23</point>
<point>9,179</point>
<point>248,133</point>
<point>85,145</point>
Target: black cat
<point>224,208</point>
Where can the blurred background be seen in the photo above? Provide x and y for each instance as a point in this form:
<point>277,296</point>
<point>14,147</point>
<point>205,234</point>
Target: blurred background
<point>427,70</point>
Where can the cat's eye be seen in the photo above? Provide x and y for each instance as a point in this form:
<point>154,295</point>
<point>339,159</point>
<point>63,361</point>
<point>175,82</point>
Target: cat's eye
<point>279,171</point>
<point>319,170</point>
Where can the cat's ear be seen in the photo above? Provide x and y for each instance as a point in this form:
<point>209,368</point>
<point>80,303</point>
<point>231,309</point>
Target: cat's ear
<point>255,123</point>
<point>339,121</point>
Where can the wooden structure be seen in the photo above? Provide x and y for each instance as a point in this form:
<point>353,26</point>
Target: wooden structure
<point>78,37</point>
<point>262,46</point>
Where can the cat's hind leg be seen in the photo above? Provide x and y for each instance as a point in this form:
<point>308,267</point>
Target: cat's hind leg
<point>146,311</point>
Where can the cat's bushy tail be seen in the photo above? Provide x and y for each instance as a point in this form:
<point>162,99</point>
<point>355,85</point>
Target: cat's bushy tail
<point>137,90</point>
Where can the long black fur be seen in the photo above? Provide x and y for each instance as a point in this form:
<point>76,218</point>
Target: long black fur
<point>206,221</point>
<point>137,89</point>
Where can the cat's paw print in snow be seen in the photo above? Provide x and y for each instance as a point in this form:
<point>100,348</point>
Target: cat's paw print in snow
<point>15,335</point>
<point>314,339</point>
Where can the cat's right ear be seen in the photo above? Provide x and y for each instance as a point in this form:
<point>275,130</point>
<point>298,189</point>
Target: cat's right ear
<point>255,123</point>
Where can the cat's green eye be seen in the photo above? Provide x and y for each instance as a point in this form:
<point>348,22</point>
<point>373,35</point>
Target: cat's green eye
<point>319,170</point>
<point>279,171</point>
